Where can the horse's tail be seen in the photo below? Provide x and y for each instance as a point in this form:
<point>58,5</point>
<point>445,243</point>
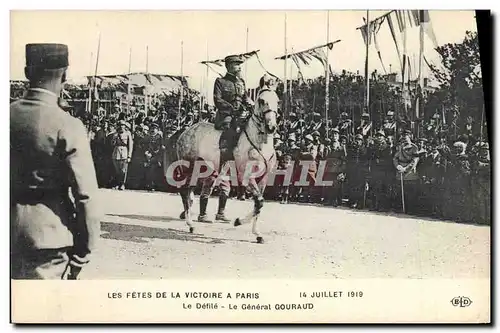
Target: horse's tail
<point>170,156</point>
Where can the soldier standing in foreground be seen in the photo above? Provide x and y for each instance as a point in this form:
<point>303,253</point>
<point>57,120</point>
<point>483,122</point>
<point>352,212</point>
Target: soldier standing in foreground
<point>52,236</point>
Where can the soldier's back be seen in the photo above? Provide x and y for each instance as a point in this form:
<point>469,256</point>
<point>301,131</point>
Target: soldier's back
<point>42,137</point>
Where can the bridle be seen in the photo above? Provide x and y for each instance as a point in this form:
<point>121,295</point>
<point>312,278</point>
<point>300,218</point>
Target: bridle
<point>259,119</point>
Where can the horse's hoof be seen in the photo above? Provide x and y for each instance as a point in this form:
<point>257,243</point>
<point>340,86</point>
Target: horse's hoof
<point>182,216</point>
<point>237,222</point>
<point>260,240</point>
<point>191,230</point>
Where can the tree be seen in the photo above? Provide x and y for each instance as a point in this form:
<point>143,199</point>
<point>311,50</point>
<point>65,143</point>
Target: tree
<point>460,83</point>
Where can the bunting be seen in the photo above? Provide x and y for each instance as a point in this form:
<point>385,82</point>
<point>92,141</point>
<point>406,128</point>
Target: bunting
<point>244,56</point>
<point>374,29</point>
<point>221,62</point>
<point>421,17</point>
<point>306,57</point>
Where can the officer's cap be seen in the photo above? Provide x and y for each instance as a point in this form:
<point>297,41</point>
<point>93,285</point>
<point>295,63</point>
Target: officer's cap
<point>436,115</point>
<point>422,139</point>
<point>358,136</point>
<point>277,136</point>
<point>390,113</point>
<point>406,132</point>
<point>293,114</point>
<point>316,133</point>
<point>335,130</point>
<point>48,56</point>
<point>380,133</point>
<point>316,114</point>
<point>309,137</point>
<point>233,59</point>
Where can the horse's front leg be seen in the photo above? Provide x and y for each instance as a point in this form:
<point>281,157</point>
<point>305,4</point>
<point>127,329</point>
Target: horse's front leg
<point>252,217</point>
<point>187,201</point>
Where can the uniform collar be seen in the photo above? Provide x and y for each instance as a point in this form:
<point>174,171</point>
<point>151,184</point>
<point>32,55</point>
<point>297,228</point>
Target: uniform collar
<point>41,95</point>
<point>232,77</point>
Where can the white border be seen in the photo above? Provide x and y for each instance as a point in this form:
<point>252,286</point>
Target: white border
<point>186,4</point>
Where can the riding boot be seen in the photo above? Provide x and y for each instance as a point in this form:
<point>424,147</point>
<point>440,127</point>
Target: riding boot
<point>203,210</point>
<point>222,206</point>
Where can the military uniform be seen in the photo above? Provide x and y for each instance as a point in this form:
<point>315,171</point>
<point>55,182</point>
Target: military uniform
<point>136,173</point>
<point>481,173</point>
<point>405,161</point>
<point>335,159</point>
<point>365,126</point>
<point>381,172</point>
<point>458,186</point>
<point>357,171</point>
<point>231,100</point>
<point>51,234</point>
<point>122,144</point>
<point>154,147</point>
<point>345,126</point>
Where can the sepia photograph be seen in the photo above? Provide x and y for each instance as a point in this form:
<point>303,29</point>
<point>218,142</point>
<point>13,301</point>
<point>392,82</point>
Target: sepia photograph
<point>263,166</point>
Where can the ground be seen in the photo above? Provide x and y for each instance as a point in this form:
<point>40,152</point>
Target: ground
<point>142,238</point>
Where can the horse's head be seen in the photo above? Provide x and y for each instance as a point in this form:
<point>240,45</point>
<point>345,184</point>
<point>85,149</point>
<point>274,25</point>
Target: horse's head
<point>266,107</point>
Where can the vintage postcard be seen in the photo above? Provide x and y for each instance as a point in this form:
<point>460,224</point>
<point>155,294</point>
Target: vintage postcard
<point>250,166</point>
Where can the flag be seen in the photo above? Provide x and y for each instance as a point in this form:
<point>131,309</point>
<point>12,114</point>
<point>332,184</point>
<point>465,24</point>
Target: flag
<point>422,17</point>
<point>307,56</point>
<point>221,62</point>
<point>374,29</point>
<point>393,33</point>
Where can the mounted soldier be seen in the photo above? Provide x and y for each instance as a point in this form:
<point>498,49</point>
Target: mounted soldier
<point>233,106</point>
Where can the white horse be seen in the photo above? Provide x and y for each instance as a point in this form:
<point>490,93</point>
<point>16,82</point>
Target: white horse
<point>255,147</point>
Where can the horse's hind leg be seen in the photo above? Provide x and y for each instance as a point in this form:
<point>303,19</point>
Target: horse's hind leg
<point>187,202</point>
<point>258,204</point>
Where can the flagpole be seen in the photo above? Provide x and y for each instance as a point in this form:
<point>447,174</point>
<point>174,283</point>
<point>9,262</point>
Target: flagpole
<point>146,101</point>
<point>246,51</point>
<point>128,81</point>
<point>206,81</point>
<point>182,85</point>
<point>291,85</point>
<point>367,73</point>
<point>420,72</point>
<point>89,99</point>
<point>96,66</point>
<point>327,73</point>
<point>285,97</point>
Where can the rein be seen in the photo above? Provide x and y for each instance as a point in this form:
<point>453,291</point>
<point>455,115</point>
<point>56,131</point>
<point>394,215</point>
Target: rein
<point>259,119</point>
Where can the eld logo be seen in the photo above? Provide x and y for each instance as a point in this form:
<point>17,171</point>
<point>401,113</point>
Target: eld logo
<point>461,301</point>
